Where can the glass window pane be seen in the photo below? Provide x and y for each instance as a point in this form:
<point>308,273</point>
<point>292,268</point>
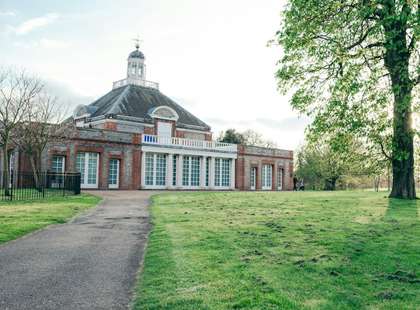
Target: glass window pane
<point>57,164</point>
<point>174,170</point>
<point>160,169</point>
<point>226,172</point>
<point>92,168</point>
<point>195,171</point>
<point>217,172</point>
<point>149,169</point>
<point>185,171</point>
<point>80,166</point>
<point>207,170</point>
<point>113,171</point>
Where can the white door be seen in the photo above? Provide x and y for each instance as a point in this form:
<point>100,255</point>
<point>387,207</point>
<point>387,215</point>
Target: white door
<point>164,129</point>
<point>253,178</point>
<point>87,164</point>
<point>280,179</point>
<point>114,173</point>
<point>266,177</point>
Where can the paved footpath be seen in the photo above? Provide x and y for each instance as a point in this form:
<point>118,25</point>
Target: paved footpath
<point>88,263</point>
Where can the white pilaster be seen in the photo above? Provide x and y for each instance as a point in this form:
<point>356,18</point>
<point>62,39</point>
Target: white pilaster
<point>232,173</point>
<point>179,169</point>
<point>169,170</point>
<point>211,172</point>
<point>203,161</point>
<point>143,169</point>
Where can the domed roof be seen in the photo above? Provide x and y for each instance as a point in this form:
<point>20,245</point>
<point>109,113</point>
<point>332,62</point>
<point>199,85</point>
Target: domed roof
<point>136,54</point>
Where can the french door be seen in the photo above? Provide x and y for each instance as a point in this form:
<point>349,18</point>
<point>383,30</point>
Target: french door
<point>267,177</point>
<point>155,170</point>
<point>280,179</point>
<point>114,173</point>
<point>87,164</point>
<point>253,178</point>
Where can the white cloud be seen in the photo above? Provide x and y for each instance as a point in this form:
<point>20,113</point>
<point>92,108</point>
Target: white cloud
<point>43,43</point>
<point>34,23</point>
<point>48,43</point>
<point>7,13</point>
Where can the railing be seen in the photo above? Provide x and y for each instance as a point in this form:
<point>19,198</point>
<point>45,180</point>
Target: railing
<point>24,185</point>
<point>189,143</point>
<point>139,82</point>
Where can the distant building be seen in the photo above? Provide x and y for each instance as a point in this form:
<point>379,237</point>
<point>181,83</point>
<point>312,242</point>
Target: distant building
<point>135,137</point>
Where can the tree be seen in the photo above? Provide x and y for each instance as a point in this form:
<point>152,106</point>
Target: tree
<point>247,137</point>
<point>17,92</point>
<point>323,164</point>
<point>43,124</point>
<point>354,67</point>
<point>231,136</point>
<point>251,137</point>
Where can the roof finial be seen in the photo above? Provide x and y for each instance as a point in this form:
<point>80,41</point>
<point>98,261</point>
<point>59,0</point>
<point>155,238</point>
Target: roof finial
<point>138,41</point>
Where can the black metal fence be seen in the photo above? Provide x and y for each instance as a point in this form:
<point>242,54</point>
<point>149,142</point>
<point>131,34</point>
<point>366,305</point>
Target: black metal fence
<point>26,186</point>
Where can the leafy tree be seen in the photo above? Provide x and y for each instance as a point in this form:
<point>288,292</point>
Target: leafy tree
<point>323,164</point>
<point>354,67</point>
<point>231,136</point>
<point>247,137</point>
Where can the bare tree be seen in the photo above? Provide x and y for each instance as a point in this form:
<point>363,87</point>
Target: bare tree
<point>254,138</point>
<point>17,92</point>
<point>43,124</point>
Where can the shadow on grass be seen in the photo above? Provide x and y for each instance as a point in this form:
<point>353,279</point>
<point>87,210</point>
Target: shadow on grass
<point>399,209</point>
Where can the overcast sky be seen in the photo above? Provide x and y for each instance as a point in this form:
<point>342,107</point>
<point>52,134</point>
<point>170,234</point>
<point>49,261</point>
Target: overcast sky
<point>209,56</point>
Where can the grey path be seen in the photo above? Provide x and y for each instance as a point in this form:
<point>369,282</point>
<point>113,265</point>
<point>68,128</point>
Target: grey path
<point>89,263</point>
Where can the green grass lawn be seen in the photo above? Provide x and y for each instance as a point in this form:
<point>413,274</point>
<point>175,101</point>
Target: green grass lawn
<point>18,218</point>
<point>304,250</point>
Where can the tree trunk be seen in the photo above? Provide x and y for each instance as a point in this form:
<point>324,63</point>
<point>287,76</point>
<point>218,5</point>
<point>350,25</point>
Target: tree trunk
<point>397,60</point>
<point>330,184</point>
<point>35,172</point>
<point>6,171</point>
<point>403,185</point>
<point>377,181</point>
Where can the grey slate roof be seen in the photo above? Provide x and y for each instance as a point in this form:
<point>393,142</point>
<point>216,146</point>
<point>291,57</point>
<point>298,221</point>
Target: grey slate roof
<point>137,101</point>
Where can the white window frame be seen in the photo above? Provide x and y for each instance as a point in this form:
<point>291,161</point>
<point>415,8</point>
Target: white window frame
<point>189,178</point>
<point>84,182</point>
<point>219,172</point>
<point>63,163</point>
<point>117,183</point>
<point>267,177</point>
<point>253,178</point>
<point>154,174</point>
<point>280,173</point>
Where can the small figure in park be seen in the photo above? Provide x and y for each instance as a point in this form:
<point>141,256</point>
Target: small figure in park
<point>295,180</point>
<point>301,185</point>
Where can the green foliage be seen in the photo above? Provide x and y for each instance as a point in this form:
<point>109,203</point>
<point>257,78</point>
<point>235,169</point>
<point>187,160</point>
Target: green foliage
<point>353,66</point>
<point>331,161</point>
<point>231,136</point>
<point>247,137</point>
<point>284,250</point>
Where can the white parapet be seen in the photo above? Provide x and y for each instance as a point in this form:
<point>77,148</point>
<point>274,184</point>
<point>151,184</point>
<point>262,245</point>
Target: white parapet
<point>189,143</point>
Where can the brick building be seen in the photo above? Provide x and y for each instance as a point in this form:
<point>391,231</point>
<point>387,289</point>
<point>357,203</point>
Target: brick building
<point>135,137</point>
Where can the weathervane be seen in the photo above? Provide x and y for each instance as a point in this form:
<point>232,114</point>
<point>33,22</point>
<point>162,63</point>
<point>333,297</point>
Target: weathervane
<point>138,41</point>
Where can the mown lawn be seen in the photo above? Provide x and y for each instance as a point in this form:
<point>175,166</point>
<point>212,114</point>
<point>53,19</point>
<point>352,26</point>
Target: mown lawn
<point>306,250</point>
<point>18,218</point>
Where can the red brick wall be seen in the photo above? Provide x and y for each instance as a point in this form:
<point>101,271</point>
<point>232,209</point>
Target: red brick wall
<point>136,169</point>
<point>110,125</point>
<point>248,158</point>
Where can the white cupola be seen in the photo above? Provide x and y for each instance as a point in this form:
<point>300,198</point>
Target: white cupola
<point>136,71</point>
<point>136,68</point>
